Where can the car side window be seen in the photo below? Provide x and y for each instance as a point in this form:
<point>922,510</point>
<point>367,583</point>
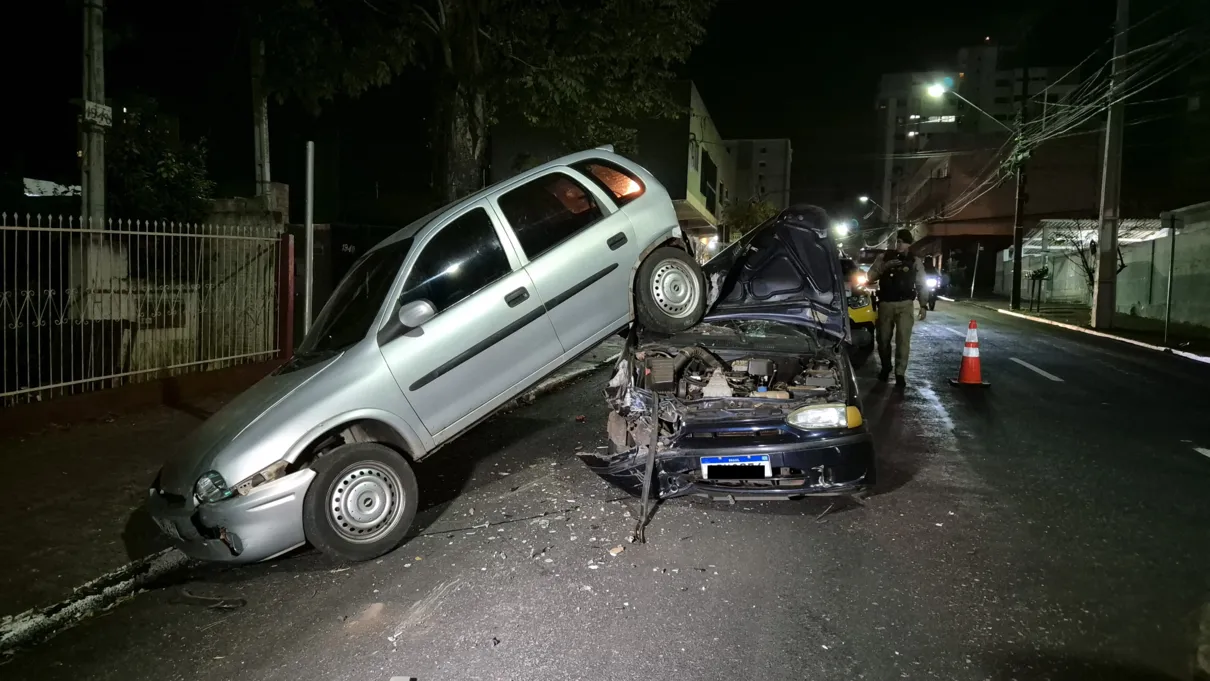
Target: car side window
<point>547,211</point>
<point>462,258</point>
<point>618,182</point>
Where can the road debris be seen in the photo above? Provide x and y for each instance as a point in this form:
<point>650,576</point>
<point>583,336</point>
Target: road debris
<point>616,550</point>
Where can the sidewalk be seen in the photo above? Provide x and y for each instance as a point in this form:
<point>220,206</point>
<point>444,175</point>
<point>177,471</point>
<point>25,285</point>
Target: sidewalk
<point>72,498</point>
<point>1137,330</point>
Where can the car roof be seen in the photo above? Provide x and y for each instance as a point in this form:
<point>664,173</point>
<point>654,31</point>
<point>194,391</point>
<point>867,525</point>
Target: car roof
<point>605,153</point>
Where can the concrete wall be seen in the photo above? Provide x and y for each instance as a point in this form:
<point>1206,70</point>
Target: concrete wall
<point>1143,284</point>
<point>708,142</point>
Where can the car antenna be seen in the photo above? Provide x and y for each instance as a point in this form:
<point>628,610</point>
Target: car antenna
<point>641,526</point>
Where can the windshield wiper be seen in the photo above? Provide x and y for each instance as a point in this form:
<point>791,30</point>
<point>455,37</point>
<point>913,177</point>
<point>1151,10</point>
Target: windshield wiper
<point>304,359</point>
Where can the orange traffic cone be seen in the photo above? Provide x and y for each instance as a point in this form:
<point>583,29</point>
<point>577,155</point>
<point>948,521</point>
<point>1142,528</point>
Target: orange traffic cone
<point>970,373</point>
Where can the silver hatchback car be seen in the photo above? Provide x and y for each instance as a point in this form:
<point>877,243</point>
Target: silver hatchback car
<point>430,332</point>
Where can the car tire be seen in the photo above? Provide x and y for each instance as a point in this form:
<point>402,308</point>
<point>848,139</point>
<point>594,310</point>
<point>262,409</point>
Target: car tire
<point>361,503</point>
<point>858,355</point>
<point>670,291</point>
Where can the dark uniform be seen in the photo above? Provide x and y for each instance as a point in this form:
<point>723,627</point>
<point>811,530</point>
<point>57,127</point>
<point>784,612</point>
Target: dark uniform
<point>901,279</point>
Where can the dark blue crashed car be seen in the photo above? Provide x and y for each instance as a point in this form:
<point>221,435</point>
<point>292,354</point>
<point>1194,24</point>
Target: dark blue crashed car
<point>759,399</point>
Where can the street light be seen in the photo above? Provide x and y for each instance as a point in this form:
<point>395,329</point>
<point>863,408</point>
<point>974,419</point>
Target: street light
<point>938,90</point>
<point>841,229</point>
<point>866,199</point>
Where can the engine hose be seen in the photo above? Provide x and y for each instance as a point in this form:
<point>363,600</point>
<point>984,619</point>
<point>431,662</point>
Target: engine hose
<point>694,352</point>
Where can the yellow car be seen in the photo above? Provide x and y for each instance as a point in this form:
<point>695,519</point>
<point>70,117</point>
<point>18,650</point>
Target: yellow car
<point>863,316</point>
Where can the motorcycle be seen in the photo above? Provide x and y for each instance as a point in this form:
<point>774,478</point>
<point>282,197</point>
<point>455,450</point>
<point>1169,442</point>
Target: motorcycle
<point>933,282</point>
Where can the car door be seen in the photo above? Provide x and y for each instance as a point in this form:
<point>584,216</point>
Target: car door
<point>490,332</point>
<point>579,250</point>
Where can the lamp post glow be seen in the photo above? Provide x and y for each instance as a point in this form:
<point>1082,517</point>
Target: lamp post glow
<point>863,199</point>
<point>938,90</point>
<point>841,229</point>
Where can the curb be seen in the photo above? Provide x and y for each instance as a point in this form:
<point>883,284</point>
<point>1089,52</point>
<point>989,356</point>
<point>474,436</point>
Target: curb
<point>1100,334</point>
<point>104,592</point>
<point>39,624</point>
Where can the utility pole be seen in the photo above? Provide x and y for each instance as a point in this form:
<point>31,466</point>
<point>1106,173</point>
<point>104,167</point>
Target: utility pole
<point>95,117</point>
<point>260,118</point>
<point>1104,292</point>
<point>888,151</point>
<point>1014,300</point>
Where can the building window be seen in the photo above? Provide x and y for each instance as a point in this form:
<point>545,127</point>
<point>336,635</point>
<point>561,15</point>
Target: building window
<point>695,154</point>
<point>763,150</point>
<point>949,119</point>
<point>709,179</point>
<point>762,190</point>
<point>914,117</point>
<point>760,178</point>
<point>546,211</point>
<point>761,164</point>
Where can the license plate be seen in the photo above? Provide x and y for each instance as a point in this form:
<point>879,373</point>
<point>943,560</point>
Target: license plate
<point>168,528</point>
<point>748,466</point>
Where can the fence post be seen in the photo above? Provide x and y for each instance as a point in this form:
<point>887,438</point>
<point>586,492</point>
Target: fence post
<point>1171,218</point>
<point>285,292</point>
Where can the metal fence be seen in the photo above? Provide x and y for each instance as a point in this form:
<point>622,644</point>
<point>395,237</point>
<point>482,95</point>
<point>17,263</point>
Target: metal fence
<point>85,307</point>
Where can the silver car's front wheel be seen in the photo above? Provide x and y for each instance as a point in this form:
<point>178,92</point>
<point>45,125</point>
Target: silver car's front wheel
<point>361,503</point>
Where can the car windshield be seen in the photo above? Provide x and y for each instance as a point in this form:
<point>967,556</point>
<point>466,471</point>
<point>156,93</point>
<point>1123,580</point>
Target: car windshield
<point>349,312</point>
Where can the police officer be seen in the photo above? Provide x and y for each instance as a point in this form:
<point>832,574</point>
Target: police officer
<point>901,280</point>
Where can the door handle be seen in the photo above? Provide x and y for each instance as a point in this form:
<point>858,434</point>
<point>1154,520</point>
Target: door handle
<point>517,297</point>
<point>616,241</point>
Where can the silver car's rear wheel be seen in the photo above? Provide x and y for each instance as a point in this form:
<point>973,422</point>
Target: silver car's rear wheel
<point>365,502</point>
<point>675,288</point>
<point>669,291</point>
<point>362,501</point>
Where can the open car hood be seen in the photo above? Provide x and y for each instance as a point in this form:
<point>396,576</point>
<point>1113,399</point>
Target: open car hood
<point>785,270</point>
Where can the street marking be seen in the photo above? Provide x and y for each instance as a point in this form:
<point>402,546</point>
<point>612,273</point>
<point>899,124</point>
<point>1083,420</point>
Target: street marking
<point>948,300</point>
<point>1203,451</point>
<point>956,332</point>
<point>1036,370</point>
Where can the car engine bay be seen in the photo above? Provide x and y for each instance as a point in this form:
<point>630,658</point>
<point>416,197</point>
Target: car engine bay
<point>697,384</point>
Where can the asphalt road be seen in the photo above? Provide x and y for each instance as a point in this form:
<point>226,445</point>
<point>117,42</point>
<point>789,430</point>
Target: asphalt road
<point>1055,526</point>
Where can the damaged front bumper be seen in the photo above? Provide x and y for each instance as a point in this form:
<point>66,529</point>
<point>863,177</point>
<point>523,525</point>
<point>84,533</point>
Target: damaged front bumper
<point>802,465</point>
<point>263,524</point>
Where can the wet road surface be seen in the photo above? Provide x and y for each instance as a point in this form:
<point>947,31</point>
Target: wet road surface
<point>1056,526</point>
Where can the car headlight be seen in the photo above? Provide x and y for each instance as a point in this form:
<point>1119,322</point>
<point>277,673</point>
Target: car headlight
<point>825,416</point>
<point>211,487</point>
<point>931,281</point>
<point>858,300</point>
<point>270,473</point>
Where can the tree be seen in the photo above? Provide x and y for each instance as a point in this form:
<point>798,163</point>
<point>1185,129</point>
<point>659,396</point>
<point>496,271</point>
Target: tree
<point>150,174</point>
<point>1075,240</point>
<point>583,69</point>
<point>741,217</point>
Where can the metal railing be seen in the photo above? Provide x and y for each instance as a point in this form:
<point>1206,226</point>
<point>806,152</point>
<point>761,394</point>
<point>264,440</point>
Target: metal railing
<point>85,307</point>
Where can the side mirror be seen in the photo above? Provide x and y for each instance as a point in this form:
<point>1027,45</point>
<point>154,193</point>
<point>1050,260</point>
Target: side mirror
<point>416,313</point>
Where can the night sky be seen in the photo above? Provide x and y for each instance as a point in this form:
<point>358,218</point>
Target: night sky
<point>807,71</point>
